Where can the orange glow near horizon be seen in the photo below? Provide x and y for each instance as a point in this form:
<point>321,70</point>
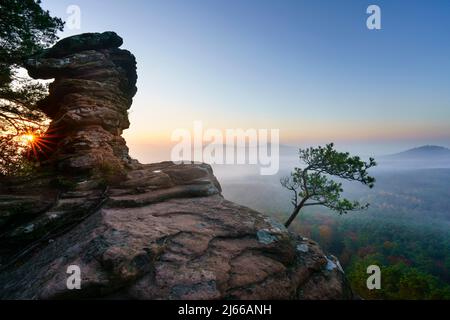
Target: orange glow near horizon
<point>293,132</point>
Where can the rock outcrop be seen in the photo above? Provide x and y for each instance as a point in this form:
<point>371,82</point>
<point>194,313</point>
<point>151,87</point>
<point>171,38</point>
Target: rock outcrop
<point>161,231</point>
<point>95,82</point>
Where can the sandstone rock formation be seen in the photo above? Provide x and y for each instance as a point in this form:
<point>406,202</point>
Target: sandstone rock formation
<point>163,231</point>
<point>88,102</point>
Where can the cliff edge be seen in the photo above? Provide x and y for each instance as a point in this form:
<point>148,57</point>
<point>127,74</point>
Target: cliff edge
<point>156,231</point>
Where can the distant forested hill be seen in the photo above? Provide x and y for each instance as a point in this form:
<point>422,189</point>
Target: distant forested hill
<point>423,152</point>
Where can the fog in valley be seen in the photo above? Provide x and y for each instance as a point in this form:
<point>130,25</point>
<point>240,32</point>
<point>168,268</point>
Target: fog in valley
<point>412,185</point>
<point>405,230</point>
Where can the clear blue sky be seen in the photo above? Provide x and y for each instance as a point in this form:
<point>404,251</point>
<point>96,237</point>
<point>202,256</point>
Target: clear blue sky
<point>310,68</point>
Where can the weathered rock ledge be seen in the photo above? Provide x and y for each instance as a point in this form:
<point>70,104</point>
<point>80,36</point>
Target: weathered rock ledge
<point>165,232</point>
<point>157,231</point>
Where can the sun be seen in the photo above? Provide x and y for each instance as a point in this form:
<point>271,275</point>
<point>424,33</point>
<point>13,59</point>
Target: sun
<point>28,138</point>
<point>36,144</point>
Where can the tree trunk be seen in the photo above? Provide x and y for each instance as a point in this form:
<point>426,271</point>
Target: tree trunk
<point>295,213</point>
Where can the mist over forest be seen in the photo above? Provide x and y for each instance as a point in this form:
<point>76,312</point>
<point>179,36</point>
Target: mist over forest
<point>406,228</point>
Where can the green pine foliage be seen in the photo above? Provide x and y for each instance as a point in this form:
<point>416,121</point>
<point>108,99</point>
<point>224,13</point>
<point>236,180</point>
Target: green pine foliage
<point>313,184</point>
